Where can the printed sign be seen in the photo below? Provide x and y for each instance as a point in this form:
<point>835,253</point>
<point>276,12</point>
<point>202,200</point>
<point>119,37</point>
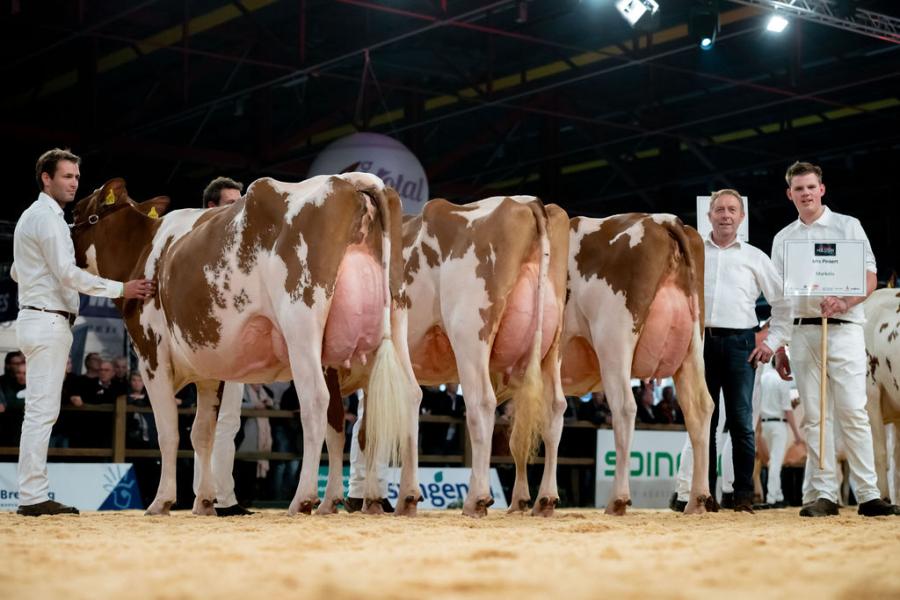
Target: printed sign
<point>441,488</point>
<point>824,268</point>
<point>86,486</point>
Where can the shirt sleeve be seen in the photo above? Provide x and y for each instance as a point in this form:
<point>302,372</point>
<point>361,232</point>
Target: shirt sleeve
<point>59,254</point>
<point>772,286</point>
<point>13,273</point>
<point>858,233</point>
<point>778,256</point>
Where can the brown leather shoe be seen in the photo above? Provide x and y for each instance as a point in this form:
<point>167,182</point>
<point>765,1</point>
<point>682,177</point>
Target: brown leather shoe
<point>353,504</point>
<point>878,508</point>
<point>744,507</point>
<point>47,507</point>
<point>823,507</point>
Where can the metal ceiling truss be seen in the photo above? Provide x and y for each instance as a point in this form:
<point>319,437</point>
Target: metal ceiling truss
<point>828,12</point>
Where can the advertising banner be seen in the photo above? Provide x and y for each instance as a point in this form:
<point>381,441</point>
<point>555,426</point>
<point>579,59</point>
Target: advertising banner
<point>655,457</point>
<point>86,486</point>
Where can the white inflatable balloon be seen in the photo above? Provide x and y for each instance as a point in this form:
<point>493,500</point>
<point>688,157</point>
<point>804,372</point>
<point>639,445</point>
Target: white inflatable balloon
<point>382,156</point>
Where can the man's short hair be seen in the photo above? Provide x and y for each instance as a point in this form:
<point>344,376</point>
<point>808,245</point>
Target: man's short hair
<point>726,192</point>
<point>802,168</point>
<point>213,192</point>
<point>46,163</point>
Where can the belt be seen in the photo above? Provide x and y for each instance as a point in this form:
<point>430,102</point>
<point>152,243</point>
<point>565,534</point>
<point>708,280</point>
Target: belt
<point>725,331</point>
<point>68,315</point>
<point>774,419</point>
<point>818,321</point>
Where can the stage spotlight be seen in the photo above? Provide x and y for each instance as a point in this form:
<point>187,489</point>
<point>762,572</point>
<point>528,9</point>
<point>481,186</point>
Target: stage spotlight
<point>776,23</point>
<point>703,23</point>
<point>637,11</point>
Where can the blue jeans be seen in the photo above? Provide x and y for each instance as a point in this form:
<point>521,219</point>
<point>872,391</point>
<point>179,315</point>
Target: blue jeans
<point>727,370</point>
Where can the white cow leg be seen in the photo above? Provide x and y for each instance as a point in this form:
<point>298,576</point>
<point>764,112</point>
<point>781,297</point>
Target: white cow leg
<point>313,394</point>
<point>697,406</point>
<point>521,496</point>
<point>555,401</point>
<point>202,435</point>
<point>334,489</point>
<point>624,411</point>
<point>481,403</point>
<point>165,413</point>
<point>409,494</point>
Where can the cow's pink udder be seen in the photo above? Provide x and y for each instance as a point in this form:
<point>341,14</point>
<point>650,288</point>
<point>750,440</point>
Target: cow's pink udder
<point>666,335</point>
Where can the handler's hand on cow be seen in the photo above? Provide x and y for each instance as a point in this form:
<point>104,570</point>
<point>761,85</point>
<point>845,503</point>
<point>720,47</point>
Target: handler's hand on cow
<point>140,289</point>
<point>761,354</point>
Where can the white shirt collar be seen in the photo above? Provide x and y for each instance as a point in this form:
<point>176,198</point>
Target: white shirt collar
<point>53,203</point>
<point>736,242</point>
<point>823,221</point>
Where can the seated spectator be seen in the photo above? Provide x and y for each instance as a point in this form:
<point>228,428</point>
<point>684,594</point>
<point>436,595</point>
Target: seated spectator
<point>140,428</point>
<point>667,411</point>
<point>121,375</point>
<point>104,390</point>
<point>92,362</point>
<point>645,409</point>
<point>596,411</point>
<point>12,390</point>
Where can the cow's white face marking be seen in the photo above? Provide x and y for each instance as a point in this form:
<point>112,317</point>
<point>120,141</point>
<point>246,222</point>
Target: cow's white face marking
<point>91,256</point>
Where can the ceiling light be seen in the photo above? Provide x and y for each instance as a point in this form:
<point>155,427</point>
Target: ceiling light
<point>777,23</point>
<point>635,11</point>
<point>703,23</point>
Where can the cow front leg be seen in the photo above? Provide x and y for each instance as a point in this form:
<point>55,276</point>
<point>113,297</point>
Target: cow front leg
<point>202,435</point>
<point>555,401</point>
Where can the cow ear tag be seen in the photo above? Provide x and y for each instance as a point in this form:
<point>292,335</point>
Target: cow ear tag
<point>110,197</point>
<point>153,214</point>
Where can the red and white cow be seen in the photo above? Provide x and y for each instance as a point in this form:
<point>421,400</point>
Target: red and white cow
<point>882,332</point>
<point>290,278</point>
<point>486,287</point>
<point>635,310</point>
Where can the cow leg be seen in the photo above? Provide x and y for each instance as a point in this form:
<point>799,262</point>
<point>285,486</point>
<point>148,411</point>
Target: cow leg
<point>697,406</point>
<point>879,439</point>
<point>165,413</point>
<point>202,434</point>
<point>555,401</point>
<point>334,442</point>
<point>312,391</point>
<point>409,494</point>
<point>481,404</point>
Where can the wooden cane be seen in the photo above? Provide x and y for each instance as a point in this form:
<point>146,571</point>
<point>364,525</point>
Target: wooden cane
<point>823,389</point>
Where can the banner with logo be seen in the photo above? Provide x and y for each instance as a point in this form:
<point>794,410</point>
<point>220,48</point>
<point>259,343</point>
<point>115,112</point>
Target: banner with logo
<point>86,486</point>
<point>655,457</point>
<point>441,488</point>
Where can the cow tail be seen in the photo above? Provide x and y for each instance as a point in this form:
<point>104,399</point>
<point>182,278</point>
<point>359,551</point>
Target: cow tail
<point>688,265</point>
<point>529,412</point>
<point>389,387</point>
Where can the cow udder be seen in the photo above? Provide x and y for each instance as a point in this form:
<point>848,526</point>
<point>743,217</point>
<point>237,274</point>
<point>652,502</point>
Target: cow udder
<point>666,335</point>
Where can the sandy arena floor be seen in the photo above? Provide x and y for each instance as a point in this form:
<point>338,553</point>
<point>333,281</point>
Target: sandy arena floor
<point>578,554</point>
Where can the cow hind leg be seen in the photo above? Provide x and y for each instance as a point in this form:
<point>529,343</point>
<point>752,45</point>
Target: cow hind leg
<point>555,402</point>
<point>481,404</point>
<point>165,413</point>
<point>334,443</point>
<point>697,406</point>
<point>312,391</point>
<point>202,435</point>
<point>409,493</point>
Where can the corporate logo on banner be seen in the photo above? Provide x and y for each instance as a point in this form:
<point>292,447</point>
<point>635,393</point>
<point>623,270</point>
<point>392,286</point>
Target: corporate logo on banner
<point>441,488</point>
<point>91,486</point>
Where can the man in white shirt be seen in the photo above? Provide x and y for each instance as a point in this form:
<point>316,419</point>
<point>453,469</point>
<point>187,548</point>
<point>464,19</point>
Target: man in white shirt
<point>776,414</point>
<point>846,353</point>
<point>49,282</point>
<point>735,274</point>
<point>224,191</point>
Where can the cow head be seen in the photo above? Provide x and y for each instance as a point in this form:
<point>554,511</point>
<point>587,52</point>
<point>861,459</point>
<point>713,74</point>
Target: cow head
<point>111,229</point>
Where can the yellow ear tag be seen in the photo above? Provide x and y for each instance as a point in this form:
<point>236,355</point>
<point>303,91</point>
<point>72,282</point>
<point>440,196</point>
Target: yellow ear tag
<point>110,197</point>
<point>153,214</point>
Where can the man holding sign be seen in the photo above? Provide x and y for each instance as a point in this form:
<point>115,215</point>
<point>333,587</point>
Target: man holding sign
<point>846,353</point>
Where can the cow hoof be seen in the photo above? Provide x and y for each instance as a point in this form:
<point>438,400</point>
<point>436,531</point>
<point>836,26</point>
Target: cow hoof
<point>701,505</point>
<point>306,507</point>
<point>330,507</point>
<point>408,506</point>
<point>479,509</point>
<point>618,507</point>
<point>519,506</point>
<point>544,507</point>
<point>204,508</point>
<point>159,508</point>
<point>373,506</point>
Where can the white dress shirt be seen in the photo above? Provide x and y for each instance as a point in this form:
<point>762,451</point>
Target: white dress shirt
<point>829,226</point>
<point>733,278</point>
<point>44,261</point>
<point>775,394</point>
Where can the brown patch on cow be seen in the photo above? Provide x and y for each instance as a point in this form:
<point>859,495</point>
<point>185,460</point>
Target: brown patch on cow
<point>146,343</point>
<point>241,300</point>
<point>883,327</point>
<point>873,363</point>
<point>892,335</point>
<point>335,401</point>
<point>887,363</point>
<point>431,256</point>
<point>636,272</point>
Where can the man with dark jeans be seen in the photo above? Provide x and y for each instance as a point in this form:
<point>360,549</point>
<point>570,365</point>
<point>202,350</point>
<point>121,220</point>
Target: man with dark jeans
<point>735,273</point>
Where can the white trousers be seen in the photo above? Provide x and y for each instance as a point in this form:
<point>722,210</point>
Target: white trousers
<point>847,404</point>
<point>45,339</point>
<point>775,433</point>
<point>228,424</point>
<point>358,464</point>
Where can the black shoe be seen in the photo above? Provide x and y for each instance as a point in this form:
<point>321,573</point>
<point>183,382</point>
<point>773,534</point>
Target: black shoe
<point>761,506</point>
<point>727,500</point>
<point>47,507</point>
<point>823,507</point>
<point>878,508</point>
<point>386,505</point>
<point>233,511</point>
<point>353,504</point>
<point>744,506</point>
<point>675,504</point>
<point>779,504</point>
